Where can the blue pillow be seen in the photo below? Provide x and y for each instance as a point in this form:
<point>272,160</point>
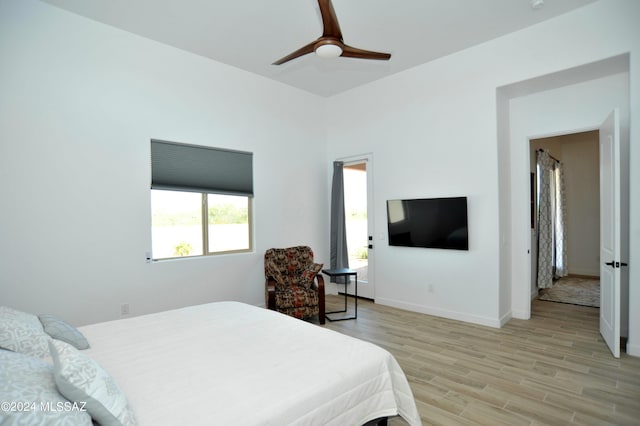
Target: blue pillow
<point>61,330</point>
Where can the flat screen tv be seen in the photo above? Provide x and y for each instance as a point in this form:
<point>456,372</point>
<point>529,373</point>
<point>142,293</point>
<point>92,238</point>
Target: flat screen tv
<point>428,222</point>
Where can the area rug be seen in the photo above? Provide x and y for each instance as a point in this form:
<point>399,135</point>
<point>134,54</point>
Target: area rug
<point>576,291</point>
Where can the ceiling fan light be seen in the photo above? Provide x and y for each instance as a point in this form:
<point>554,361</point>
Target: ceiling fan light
<point>328,51</point>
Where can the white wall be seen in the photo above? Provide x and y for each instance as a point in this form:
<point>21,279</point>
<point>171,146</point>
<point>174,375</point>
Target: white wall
<point>616,36</point>
<point>434,131</point>
<point>432,134</point>
<point>583,204</point>
<point>79,104</point>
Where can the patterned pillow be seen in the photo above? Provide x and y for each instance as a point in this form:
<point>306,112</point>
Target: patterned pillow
<point>22,332</point>
<point>28,383</point>
<point>14,314</point>
<point>59,329</point>
<point>310,273</point>
<point>81,379</point>
<point>25,338</point>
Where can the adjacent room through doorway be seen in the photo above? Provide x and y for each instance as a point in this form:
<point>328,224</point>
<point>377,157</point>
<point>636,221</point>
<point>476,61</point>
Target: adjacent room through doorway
<point>575,195</point>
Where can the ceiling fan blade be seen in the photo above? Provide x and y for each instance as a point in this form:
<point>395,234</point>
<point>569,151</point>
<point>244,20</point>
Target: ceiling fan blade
<point>300,52</point>
<point>354,52</point>
<point>331,28</point>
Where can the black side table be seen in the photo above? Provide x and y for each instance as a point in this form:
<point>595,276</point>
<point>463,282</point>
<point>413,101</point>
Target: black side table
<point>346,273</point>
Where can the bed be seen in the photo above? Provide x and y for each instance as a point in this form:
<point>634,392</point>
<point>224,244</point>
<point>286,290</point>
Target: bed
<point>233,363</point>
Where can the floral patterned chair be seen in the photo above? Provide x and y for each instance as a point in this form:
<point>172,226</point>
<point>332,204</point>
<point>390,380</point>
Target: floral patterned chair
<point>293,283</point>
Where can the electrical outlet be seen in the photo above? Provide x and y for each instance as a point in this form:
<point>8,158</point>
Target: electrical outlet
<point>124,309</point>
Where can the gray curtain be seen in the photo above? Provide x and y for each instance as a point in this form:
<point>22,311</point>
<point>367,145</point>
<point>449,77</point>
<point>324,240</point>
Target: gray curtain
<point>339,256</point>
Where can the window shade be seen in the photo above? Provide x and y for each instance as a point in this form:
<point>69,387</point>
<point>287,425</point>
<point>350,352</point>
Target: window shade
<point>200,169</point>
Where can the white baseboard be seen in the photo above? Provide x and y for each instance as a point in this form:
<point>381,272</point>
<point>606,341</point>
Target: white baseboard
<point>475,319</point>
<point>521,315</point>
<point>633,350</point>
<point>505,319</point>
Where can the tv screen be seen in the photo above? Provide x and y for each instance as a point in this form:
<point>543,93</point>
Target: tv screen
<point>428,222</point>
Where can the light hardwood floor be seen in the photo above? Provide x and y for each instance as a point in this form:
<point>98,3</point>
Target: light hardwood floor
<point>552,369</point>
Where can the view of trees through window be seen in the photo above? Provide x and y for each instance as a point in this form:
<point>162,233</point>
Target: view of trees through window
<point>180,227</point>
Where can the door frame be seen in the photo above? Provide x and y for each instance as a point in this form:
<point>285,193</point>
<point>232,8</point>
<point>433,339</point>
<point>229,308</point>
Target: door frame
<point>367,158</point>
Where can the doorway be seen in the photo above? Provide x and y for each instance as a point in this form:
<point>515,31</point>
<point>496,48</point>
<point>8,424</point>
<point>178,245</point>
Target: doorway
<point>547,105</point>
<point>358,221</point>
<point>579,155</point>
<point>613,285</point>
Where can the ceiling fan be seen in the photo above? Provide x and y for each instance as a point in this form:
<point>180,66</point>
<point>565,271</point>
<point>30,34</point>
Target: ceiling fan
<point>330,44</point>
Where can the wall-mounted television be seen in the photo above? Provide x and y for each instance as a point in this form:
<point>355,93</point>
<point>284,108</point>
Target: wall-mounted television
<point>428,222</point>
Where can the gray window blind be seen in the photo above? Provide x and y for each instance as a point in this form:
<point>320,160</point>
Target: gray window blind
<point>195,168</point>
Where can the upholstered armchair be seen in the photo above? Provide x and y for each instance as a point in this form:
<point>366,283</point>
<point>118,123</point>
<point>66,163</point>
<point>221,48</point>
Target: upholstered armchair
<point>294,285</point>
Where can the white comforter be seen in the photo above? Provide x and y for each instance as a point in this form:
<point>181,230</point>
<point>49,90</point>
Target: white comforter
<point>230,363</point>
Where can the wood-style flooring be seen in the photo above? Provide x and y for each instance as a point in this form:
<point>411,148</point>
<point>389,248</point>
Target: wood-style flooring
<point>553,369</point>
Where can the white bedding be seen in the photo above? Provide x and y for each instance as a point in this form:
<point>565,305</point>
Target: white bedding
<point>230,363</point>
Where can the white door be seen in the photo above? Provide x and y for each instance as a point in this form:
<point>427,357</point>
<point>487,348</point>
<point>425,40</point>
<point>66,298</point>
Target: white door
<point>358,212</point>
<point>610,232</point>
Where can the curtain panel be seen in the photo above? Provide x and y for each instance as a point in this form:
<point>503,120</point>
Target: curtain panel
<point>339,257</point>
<point>551,236</point>
<point>545,221</point>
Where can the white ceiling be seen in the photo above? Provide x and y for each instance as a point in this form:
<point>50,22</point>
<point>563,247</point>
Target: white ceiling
<point>252,34</point>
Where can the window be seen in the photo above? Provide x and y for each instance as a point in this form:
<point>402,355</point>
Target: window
<point>200,200</point>
<point>194,224</point>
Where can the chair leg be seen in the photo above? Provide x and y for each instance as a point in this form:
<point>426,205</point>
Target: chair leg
<point>321,302</point>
